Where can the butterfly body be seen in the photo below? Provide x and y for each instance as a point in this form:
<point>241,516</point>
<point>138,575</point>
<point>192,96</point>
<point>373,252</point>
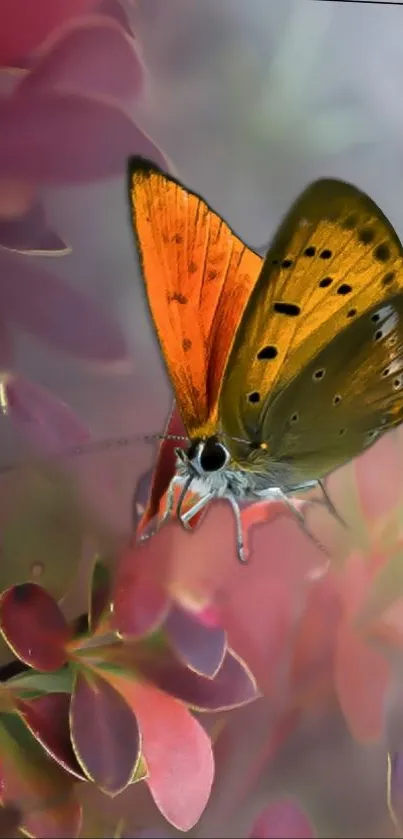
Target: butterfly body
<point>282,368</point>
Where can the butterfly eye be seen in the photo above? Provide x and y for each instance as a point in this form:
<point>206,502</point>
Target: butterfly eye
<point>212,456</point>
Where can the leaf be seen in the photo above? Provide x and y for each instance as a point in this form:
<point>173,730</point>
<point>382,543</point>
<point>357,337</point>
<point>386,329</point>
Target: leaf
<point>38,786</point>
<point>140,602</point>
<point>34,627</point>
<point>45,421</point>
<point>156,662</point>
<point>104,732</point>
<point>77,139</point>
<point>362,677</point>
<point>59,681</point>
<point>71,61</point>
<point>17,41</point>
<point>176,749</point>
<point>30,233</point>
<point>46,306</point>
<point>47,717</point>
<point>202,648</point>
<point>282,819</point>
<point>10,820</point>
<point>100,593</point>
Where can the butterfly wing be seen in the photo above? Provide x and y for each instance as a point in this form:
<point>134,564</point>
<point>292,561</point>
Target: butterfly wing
<point>334,260</point>
<point>198,277</point>
<point>343,399</point>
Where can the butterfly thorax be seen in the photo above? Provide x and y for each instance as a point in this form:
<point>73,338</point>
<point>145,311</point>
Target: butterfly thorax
<point>210,469</point>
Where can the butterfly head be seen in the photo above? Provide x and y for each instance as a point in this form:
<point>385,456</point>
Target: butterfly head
<point>205,458</point>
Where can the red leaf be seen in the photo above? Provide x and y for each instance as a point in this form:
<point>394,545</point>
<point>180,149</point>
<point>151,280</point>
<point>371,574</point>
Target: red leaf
<point>282,820</point>
<point>176,749</point>
<point>10,820</point>
<point>68,138</point>
<point>34,626</point>
<point>201,647</point>
<point>38,786</point>
<point>105,733</point>
<point>47,717</point>
<point>362,677</point>
<point>17,38</point>
<point>91,55</point>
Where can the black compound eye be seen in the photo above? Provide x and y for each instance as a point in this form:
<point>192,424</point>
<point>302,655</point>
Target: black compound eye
<point>213,455</point>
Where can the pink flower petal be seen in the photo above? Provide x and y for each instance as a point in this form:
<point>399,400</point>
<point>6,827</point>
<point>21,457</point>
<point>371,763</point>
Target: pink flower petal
<point>46,306</point>
<point>91,55</point>
<point>68,138</point>
<point>282,820</point>
<point>24,25</point>
<point>46,421</point>
<point>30,233</point>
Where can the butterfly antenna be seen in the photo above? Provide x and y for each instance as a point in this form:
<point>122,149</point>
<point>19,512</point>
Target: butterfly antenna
<point>93,447</point>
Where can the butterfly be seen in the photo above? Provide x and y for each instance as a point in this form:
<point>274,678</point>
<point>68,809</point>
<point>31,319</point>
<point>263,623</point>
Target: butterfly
<point>282,368</point>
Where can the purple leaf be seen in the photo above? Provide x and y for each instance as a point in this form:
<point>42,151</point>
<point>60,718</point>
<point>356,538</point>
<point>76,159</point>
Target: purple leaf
<point>202,648</point>
<point>30,233</point>
<point>68,138</point>
<point>47,422</point>
<point>104,732</point>
<point>47,307</point>
<point>91,55</point>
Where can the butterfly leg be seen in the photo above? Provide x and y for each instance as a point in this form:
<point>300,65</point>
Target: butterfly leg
<point>240,546</point>
<point>185,517</point>
<point>330,506</point>
<point>169,505</point>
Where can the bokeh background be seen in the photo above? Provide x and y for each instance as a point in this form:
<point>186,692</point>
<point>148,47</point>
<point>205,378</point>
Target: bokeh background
<point>246,103</point>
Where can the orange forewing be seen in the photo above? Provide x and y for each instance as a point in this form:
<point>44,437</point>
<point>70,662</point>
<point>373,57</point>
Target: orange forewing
<point>198,277</point>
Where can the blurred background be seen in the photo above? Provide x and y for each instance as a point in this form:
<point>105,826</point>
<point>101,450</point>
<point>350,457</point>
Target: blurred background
<point>246,103</point>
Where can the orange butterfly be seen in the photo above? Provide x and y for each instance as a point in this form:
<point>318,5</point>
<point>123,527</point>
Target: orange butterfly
<point>282,368</point>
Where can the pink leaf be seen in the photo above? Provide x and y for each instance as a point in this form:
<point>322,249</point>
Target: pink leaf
<point>68,138</point>
<point>176,749</point>
<point>140,601</point>
<point>45,420</point>
<point>282,820</point>
<point>30,233</point>
<point>362,677</point>
<point>47,307</point>
<point>91,55</point>
<point>24,25</point>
